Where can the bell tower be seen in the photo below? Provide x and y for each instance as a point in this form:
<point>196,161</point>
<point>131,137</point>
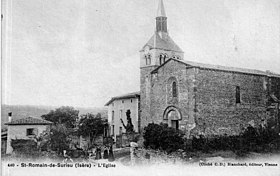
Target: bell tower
<point>160,47</point>
<point>154,53</point>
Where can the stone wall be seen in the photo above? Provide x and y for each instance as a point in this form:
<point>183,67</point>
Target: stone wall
<point>145,86</point>
<point>160,97</point>
<point>217,111</point>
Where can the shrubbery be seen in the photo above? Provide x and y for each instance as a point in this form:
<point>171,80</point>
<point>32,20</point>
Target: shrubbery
<point>24,147</point>
<point>163,137</point>
<point>251,140</point>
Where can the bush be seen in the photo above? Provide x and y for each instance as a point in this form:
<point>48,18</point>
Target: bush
<point>251,140</point>
<point>24,147</point>
<point>162,137</point>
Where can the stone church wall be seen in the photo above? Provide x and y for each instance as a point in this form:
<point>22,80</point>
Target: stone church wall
<point>206,98</point>
<point>160,94</point>
<point>217,111</point>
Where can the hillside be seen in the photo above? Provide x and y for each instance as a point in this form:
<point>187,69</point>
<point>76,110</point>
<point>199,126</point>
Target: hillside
<point>23,111</point>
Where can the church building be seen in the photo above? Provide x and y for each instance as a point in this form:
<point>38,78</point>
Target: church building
<point>201,98</point>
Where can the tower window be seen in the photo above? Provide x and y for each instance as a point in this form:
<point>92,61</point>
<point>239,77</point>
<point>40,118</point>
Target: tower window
<point>165,58</point>
<point>237,94</point>
<point>148,59</point>
<point>174,89</point>
<point>162,58</point>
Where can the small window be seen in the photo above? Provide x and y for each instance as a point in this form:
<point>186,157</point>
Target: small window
<point>165,58</point>
<point>237,95</point>
<point>131,100</point>
<point>113,130</point>
<point>162,59</point>
<point>122,101</point>
<point>148,59</point>
<point>120,114</point>
<point>113,116</point>
<point>120,132</point>
<point>30,131</point>
<point>174,89</point>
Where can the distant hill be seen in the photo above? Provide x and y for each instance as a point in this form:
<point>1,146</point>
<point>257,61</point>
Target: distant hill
<point>23,111</point>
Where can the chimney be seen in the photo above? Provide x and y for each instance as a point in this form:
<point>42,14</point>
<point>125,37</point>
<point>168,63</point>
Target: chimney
<point>10,116</point>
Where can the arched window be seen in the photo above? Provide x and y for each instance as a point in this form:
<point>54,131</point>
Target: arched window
<point>148,59</point>
<point>165,58</point>
<point>174,89</point>
<point>161,60</point>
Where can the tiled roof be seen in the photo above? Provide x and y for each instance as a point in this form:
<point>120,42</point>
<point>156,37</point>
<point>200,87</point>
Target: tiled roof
<point>225,68</point>
<point>165,43</point>
<point>29,121</point>
<point>125,96</point>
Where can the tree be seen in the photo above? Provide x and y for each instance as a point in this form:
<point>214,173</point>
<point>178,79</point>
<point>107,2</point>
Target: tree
<point>64,115</point>
<point>92,126</point>
<point>59,138</point>
<point>129,127</point>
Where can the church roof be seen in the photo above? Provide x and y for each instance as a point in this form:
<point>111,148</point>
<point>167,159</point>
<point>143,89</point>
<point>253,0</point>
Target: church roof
<point>165,43</point>
<point>223,68</point>
<point>161,10</point>
<point>125,96</point>
<point>29,121</point>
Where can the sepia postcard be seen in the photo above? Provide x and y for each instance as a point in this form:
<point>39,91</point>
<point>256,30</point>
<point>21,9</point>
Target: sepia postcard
<point>140,87</point>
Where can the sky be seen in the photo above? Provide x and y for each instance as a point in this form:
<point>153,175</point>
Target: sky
<point>82,52</point>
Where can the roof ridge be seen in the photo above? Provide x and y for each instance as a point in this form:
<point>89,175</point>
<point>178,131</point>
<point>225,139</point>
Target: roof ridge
<point>222,68</point>
<point>128,95</point>
<point>28,120</point>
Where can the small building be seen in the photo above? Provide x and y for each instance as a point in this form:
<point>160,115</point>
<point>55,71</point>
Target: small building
<point>26,128</point>
<point>118,107</point>
<point>3,141</point>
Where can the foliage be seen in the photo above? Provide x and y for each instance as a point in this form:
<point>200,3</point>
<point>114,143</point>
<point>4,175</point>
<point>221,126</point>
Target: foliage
<point>59,138</point>
<point>91,125</point>
<point>160,136</point>
<point>63,115</point>
<point>250,140</point>
<point>25,147</point>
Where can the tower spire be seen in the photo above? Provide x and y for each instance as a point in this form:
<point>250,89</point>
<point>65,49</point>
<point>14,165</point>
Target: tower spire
<point>161,10</point>
<point>161,19</point>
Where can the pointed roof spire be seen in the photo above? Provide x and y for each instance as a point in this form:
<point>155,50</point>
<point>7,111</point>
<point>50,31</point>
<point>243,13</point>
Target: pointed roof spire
<point>161,10</point>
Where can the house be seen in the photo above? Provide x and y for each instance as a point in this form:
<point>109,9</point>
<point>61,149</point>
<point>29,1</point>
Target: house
<point>26,128</point>
<point>3,141</point>
<point>117,110</point>
<point>201,98</point>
